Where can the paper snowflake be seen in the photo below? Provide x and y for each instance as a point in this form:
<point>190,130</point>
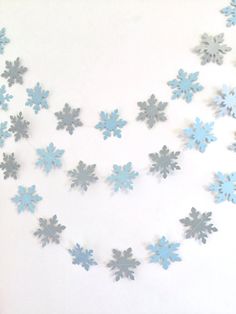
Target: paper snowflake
<point>199,135</point>
<point>122,177</point>
<point>37,98</point>
<point>49,158</point>
<point>19,127</point>
<point>123,263</point>
<point>82,176</point>
<point>164,252</point>
<point>9,166</point>
<point>3,40</point>
<point>14,72</point>
<point>185,85</point>
<point>230,11</point>
<point>152,111</point>
<point>224,187</point>
<point>68,119</point>
<point>49,231</point>
<point>211,49</point>
<point>4,134</point>
<point>226,102</point>
<point>110,124</point>
<point>82,257</point>
<point>26,199</point>
<point>198,225</point>
<point>164,162</point>
<point>4,98</point>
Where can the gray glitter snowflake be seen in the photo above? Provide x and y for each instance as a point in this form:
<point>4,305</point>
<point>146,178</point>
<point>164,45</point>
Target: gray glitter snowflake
<point>152,111</point>
<point>211,49</point>
<point>19,127</point>
<point>49,231</point>
<point>68,119</point>
<point>123,263</point>
<point>9,166</point>
<point>198,225</point>
<point>82,176</point>
<point>164,162</point>
<point>14,72</point>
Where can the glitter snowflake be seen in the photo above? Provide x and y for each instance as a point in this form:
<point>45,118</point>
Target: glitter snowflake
<point>82,176</point>
<point>164,162</point>
<point>4,98</point>
<point>110,124</point>
<point>4,134</point>
<point>164,252</point>
<point>224,187</point>
<point>37,98</point>
<point>123,263</point>
<point>82,257</point>
<point>199,135</point>
<point>49,158</point>
<point>14,72</point>
<point>49,231</point>
<point>226,102</point>
<point>9,166</point>
<point>198,225</point>
<point>3,40</point>
<point>122,177</point>
<point>19,127</point>
<point>152,111</point>
<point>26,199</point>
<point>230,11</point>
<point>68,119</point>
<point>211,49</point>
<point>185,85</point>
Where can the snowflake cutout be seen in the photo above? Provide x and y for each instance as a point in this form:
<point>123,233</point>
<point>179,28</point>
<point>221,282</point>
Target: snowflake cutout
<point>49,231</point>
<point>164,252</point>
<point>19,127</point>
<point>9,166</point>
<point>198,225</point>
<point>68,119</point>
<point>230,11</point>
<point>199,135</point>
<point>26,199</point>
<point>123,263</point>
<point>37,98</point>
<point>152,111</point>
<point>14,72</point>
<point>4,134</point>
<point>82,257</point>
<point>3,40</point>
<point>226,102</point>
<point>122,177</point>
<point>49,158</point>
<point>110,124</point>
<point>224,187</point>
<point>82,176</point>
<point>164,162</point>
<point>211,49</point>
<point>185,85</point>
<point>4,98</point>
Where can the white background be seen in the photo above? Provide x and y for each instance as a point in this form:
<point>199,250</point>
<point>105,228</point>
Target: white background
<point>102,55</point>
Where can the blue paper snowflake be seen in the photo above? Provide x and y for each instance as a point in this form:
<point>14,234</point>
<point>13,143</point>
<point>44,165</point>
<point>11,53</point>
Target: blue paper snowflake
<point>185,85</point>
<point>226,102</point>
<point>49,158</point>
<point>230,11</point>
<point>110,124</point>
<point>122,177</point>
<point>199,135</point>
<point>164,252</point>
<point>26,199</point>
<point>82,257</point>
<point>37,98</point>
<point>4,98</point>
<point>3,40</point>
<point>224,187</point>
<point>4,134</point>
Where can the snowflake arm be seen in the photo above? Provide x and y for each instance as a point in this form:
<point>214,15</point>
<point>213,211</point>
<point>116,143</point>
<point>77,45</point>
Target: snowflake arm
<point>19,127</point>
<point>230,12</point>
<point>4,98</point>
<point>49,158</point>
<point>226,102</point>
<point>224,187</point>
<point>14,72</point>
<point>82,257</point>
<point>68,119</point>
<point>9,166</point>
<point>82,176</point>
<point>26,199</point>
<point>3,40</point>
<point>37,98</point>
<point>4,134</point>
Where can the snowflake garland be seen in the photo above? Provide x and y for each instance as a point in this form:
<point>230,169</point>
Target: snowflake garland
<point>49,158</point>
<point>82,257</point>
<point>224,187</point>
<point>26,199</point>
<point>3,40</point>
<point>4,98</point>
<point>37,98</point>
<point>230,12</point>
<point>225,102</point>
<point>14,72</point>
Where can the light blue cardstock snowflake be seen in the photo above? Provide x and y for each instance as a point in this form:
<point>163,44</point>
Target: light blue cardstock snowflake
<point>3,40</point>
<point>49,158</point>
<point>226,102</point>
<point>230,12</point>
<point>82,257</point>
<point>4,98</point>
<point>37,98</point>
<point>224,187</point>
<point>26,199</point>
<point>185,85</point>
<point>4,133</point>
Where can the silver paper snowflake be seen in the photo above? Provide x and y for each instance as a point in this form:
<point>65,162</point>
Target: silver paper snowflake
<point>14,72</point>
<point>9,166</point>
<point>82,176</point>
<point>68,119</point>
<point>19,127</point>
